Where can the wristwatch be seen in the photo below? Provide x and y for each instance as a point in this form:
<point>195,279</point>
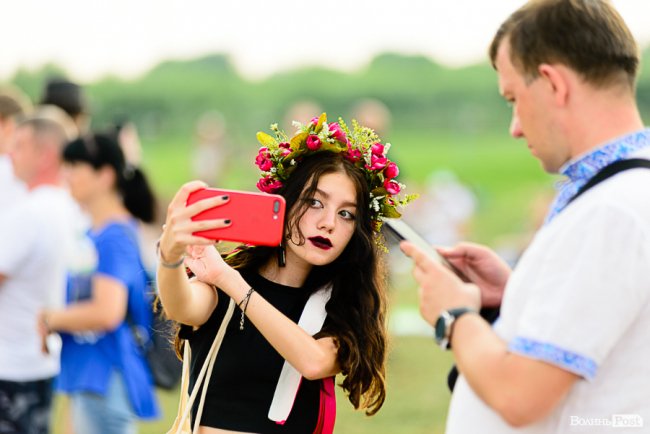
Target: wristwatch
<point>445,323</point>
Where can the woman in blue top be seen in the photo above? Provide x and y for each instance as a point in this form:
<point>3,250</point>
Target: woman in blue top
<point>102,367</point>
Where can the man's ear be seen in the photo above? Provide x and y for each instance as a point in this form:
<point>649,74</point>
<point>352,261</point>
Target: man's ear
<point>556,81</point>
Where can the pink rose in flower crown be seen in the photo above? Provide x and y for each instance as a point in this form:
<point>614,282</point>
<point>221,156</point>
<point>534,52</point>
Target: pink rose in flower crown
<point>313,142</point>
<point>263,160</point>
<point>377,149</point>
<point>377,162</point>
<point>268,185</point>
<point>314,120</point>
<point>353,155</point>
<point>285,148</point>
<point>391,171</point>
<point>337,133</point>
<point>392,187</point>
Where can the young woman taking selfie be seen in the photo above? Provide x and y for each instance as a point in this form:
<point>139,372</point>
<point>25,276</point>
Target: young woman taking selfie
<point>338,184</point>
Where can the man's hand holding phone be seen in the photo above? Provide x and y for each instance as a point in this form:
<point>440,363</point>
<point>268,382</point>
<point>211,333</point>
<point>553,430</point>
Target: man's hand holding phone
<point>483,267</point>
<point>472,263</point>
<point>401,231</point>
<point>440,288</point>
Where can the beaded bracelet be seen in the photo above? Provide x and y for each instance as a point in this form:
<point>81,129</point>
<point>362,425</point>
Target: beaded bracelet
<point>246,299</point>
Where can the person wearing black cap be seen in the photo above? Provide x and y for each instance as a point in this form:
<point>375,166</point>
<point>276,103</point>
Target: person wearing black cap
<point>71,98</point>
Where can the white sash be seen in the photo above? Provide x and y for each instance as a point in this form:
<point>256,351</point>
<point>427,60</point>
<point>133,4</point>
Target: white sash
<point>311,320</point>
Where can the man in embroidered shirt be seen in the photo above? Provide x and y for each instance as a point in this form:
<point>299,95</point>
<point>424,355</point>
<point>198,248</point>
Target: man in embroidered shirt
<point>570,351</point>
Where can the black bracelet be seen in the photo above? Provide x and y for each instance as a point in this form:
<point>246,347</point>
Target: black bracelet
<point>244,301</point>
<point>164,263</point>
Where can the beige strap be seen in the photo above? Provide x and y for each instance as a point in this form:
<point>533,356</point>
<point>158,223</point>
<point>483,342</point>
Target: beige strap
<point>185,386</point>
<point>208,364</point>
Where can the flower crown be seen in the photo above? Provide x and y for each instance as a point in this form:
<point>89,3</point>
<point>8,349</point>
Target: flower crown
<point>279,156</point>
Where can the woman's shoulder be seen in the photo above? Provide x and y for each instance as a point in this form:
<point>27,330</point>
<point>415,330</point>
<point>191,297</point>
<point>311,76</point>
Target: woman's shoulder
<point>117,240</point>
<point>118,231</point>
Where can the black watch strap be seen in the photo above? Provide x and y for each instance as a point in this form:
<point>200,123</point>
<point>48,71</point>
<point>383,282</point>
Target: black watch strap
<point>445,325</point>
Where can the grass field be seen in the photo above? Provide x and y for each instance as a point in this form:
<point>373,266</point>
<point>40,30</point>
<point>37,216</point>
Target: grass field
<point>416,403</point>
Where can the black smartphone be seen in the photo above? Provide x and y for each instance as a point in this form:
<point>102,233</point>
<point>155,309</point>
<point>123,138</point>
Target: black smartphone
<point>401,231</point>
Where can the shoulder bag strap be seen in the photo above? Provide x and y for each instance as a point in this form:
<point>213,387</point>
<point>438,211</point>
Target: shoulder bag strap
<point>611,170</point>
<point>177,427</point>
<point>205,373</point>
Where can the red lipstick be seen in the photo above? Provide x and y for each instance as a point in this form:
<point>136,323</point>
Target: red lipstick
<point>321,242</point>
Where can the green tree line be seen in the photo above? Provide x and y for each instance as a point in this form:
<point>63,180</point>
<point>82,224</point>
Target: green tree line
<point>421,95</point>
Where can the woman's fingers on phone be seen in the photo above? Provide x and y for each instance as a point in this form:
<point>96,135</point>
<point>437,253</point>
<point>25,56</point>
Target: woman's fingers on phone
<point>180,198</point>
<point>204,225</point>
<point>207,203</point>
<point>196,240</point>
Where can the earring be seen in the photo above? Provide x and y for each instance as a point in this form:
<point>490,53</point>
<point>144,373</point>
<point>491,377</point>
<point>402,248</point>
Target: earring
<point>282,256</point>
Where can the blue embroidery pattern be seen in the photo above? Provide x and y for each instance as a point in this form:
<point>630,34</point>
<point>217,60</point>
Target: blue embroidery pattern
<point>550,353</point>
<point>579,172</point>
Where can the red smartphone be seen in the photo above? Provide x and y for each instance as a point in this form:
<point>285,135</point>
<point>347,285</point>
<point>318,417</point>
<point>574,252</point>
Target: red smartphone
<point>257,218</point>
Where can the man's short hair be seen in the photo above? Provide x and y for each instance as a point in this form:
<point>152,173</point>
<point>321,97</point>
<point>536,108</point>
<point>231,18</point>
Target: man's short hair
<point>13,103</point>
<point>589,36</point>
<point>51,121</point>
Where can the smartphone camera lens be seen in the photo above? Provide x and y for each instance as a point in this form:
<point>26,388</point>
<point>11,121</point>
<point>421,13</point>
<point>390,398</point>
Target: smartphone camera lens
<point>276,206</point>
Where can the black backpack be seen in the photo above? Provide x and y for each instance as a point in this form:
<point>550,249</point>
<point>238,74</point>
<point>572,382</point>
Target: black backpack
<point>155,340</point>
<point>156,346</point>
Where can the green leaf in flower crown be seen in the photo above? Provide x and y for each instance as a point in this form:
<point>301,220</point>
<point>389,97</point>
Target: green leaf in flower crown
<point>409,198</point>
<point>390,212</point>
<point>335,147</point>
<point>286,172</point>
<point>266,140</point>
<point>341,146</point>
<point>295,155</point>
<point>321,120</point>
<point>298,141</point>
<point>379,191</point>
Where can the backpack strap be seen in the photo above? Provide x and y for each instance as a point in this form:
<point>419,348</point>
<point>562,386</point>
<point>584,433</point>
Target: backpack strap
<point>611,170</point>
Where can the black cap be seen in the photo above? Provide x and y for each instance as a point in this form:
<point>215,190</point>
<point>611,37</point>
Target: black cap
<point>66,95</point>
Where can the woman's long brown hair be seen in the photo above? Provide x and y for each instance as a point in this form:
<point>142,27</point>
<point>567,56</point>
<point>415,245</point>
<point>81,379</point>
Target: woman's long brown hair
<point>356,311</point>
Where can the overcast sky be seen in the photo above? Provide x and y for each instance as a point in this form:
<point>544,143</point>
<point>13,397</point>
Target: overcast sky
<point>91,38</point>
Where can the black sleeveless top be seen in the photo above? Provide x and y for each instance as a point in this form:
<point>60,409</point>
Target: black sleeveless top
<point>248,367</point>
